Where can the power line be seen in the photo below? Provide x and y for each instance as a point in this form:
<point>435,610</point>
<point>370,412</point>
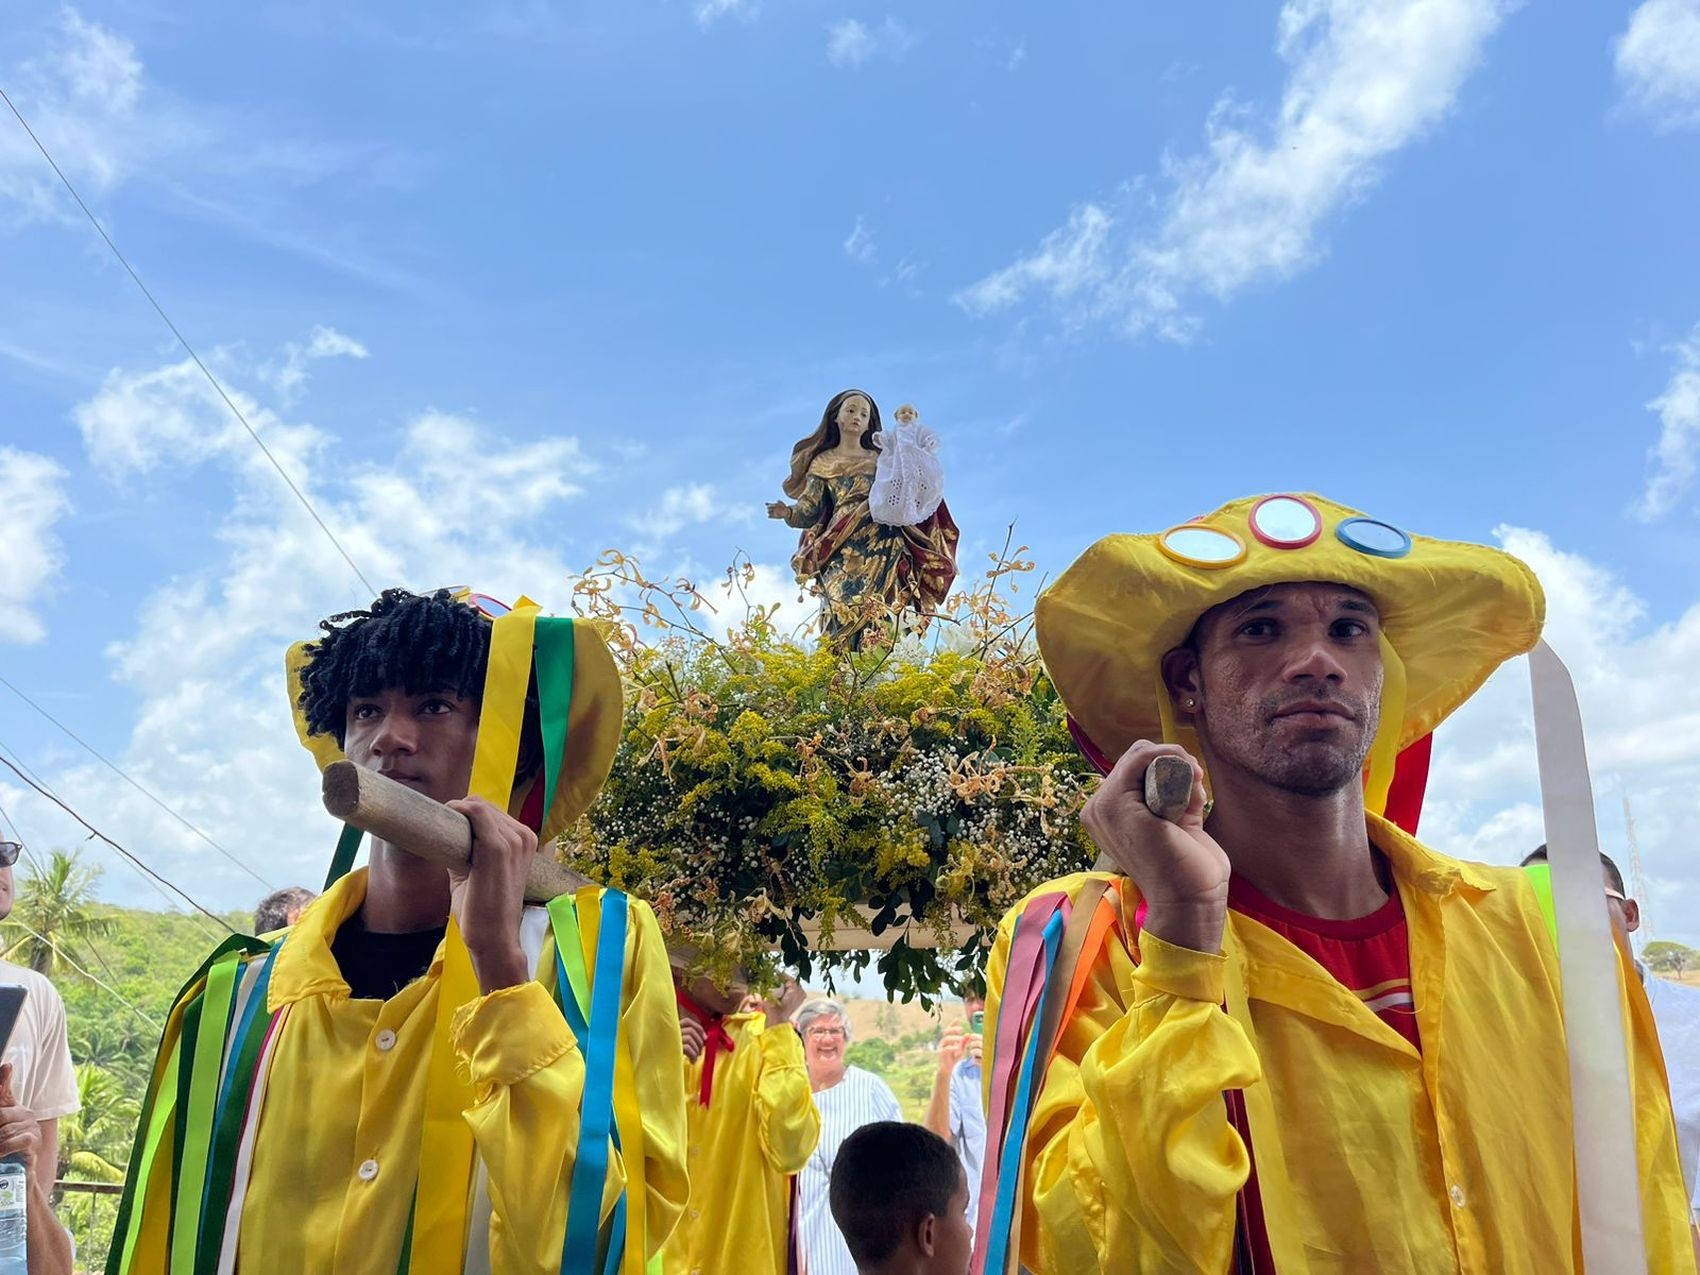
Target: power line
<point>135,784</point>
<point>18,836</point>
<point>96,832</point>
<point>183,341</point>
<point>65,956</point>
<point>16,762</point>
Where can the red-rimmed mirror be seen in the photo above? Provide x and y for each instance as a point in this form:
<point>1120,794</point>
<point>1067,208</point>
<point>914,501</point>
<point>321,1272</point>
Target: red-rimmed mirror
<point>1285,522</point>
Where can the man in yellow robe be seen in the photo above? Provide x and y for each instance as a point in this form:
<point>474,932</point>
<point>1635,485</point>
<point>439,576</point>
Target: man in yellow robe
<point>752,1125</point>
<point>1292,1038</point>
<point>424,1074</point>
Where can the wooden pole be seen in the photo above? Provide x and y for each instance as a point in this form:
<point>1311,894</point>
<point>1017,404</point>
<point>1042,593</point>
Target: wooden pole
<point>411,821</point>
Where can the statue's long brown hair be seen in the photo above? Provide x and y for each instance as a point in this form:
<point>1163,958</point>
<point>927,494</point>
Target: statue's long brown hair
<point>826,436</point>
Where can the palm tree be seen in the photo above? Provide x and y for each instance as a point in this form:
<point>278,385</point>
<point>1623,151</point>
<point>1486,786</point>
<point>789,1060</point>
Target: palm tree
<point>54,910</point>
<point>94,1140</point>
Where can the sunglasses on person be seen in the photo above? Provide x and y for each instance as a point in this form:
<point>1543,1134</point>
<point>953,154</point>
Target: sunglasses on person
<point>483,603</point>
<point>9,852</point>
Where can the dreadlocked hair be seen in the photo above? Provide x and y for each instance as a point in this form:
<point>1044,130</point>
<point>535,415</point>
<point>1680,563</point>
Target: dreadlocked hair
<point>418,642</point>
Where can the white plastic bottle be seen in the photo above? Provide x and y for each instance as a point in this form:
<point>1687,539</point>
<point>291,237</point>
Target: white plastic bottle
<point>14,1219</point>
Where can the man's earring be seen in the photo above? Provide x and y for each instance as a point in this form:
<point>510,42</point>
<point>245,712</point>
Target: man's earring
<point>1189,703</point>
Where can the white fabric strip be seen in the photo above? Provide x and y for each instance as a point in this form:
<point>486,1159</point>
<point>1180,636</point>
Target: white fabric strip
<point>1607,1176</point>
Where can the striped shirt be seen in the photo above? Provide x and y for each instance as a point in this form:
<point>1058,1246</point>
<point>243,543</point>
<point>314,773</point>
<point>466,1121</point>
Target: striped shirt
<point>968,1127</point>
<point>860,1098</point>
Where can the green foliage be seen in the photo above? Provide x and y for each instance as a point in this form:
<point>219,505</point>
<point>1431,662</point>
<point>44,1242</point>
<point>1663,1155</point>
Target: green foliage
<point>1670,958</point>
<point>768,791</point>
<point>136,964</point>
<point>54,913</point>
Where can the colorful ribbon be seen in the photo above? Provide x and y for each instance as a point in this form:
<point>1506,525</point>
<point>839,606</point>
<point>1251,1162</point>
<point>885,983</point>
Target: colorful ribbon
<point>579,1251</point>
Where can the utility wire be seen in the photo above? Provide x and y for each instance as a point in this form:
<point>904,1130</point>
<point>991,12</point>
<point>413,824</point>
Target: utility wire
<point>65,956</point>
<point>96,832</point>
<point>135,784</point>
<point>16,762</point>
<point>17,836</point>
<point>183,341</point>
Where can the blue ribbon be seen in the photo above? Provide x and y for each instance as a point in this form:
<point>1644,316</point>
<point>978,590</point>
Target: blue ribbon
<point>584,1192</point>
<point>1015,1139</point>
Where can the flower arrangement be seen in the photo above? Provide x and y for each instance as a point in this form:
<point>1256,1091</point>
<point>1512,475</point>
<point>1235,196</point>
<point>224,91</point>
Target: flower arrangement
<point>779,801</point>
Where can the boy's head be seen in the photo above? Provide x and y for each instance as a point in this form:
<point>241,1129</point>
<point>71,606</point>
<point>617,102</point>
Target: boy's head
<point>400,687</point>
<point>900,1197</point>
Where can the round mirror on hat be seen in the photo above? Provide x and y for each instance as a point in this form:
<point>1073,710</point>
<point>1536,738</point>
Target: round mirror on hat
<point>1378,539</point>
<point>1285,522</point>
<point>1196,545</point>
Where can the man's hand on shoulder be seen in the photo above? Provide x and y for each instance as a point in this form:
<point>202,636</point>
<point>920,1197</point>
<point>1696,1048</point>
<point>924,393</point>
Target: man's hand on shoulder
<point>488,898</point>
<point>1180,870</point>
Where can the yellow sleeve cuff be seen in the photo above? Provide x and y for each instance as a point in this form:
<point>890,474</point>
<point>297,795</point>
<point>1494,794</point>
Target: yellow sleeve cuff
<point>1167,970</point>
<point>510,1034</point>
<point>781,1046</point>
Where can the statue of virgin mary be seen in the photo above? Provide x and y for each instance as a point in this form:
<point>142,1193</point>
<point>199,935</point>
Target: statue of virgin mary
<point>863,570</point>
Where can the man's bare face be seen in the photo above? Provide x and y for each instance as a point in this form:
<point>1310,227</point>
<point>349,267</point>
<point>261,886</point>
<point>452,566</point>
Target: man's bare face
<point>1288,685</point>
<point>425,741</point>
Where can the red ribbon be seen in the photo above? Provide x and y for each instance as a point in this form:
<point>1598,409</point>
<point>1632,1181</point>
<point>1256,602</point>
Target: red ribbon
<point>715,1040</point>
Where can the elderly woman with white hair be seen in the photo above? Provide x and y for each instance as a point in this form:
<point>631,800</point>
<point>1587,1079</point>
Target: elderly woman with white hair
<point>847,1098</point>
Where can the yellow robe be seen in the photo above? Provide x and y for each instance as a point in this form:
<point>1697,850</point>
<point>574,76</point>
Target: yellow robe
<point>337,1149</point>
<point>759,1128</point>
<point>1370,1156</point>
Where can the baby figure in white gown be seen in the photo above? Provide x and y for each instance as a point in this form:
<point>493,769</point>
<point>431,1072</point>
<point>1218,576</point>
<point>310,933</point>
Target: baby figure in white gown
<point>908,478</point>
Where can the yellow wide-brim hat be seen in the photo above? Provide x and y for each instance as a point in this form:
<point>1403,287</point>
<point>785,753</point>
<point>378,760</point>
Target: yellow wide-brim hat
<point>1451,613</point>
<point>570,661</point>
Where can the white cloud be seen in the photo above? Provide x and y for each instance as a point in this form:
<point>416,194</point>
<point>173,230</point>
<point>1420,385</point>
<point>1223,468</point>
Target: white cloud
<point>681,507</point>
<point>1641,711</point>
<point>1658,61</point>
<point>82,95</point>
<point>1365,80</point>
<point>850,43</point>
<point>35,499</point>
<point>711,11</point>
<point>859,243</point>
<point>324,343</point>
<point>1676,456</point>
<point>455,502</point>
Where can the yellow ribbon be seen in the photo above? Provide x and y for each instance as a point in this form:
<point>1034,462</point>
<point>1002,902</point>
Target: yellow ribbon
<point>445,1144</point>
<point>502,716</point>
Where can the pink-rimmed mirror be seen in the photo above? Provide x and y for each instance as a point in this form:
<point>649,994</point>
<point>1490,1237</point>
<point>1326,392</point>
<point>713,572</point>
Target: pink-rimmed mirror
<point>1285,522</point>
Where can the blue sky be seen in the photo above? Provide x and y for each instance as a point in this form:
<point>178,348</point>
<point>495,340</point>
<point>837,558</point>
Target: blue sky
<point>503,285</point>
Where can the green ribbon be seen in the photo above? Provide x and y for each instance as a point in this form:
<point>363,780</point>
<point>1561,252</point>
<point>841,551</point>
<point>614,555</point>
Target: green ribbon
<point>553,653</point>
<point>346,847</point>
<point>235,1091</point>
<point>569,953</point>
<point>200,1095</point>
<point>159,1110</point>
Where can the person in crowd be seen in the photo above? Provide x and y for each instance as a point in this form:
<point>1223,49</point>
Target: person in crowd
<point>425,1073</point>
<point>1275,1036</point>
<point>847,1098</point>
<point>38,1085</point>
<point>900,1197</point>
<point>751,1126</point>
<point>956,1111</point>
<point>1676,1011</point>
<point>281,908</point>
